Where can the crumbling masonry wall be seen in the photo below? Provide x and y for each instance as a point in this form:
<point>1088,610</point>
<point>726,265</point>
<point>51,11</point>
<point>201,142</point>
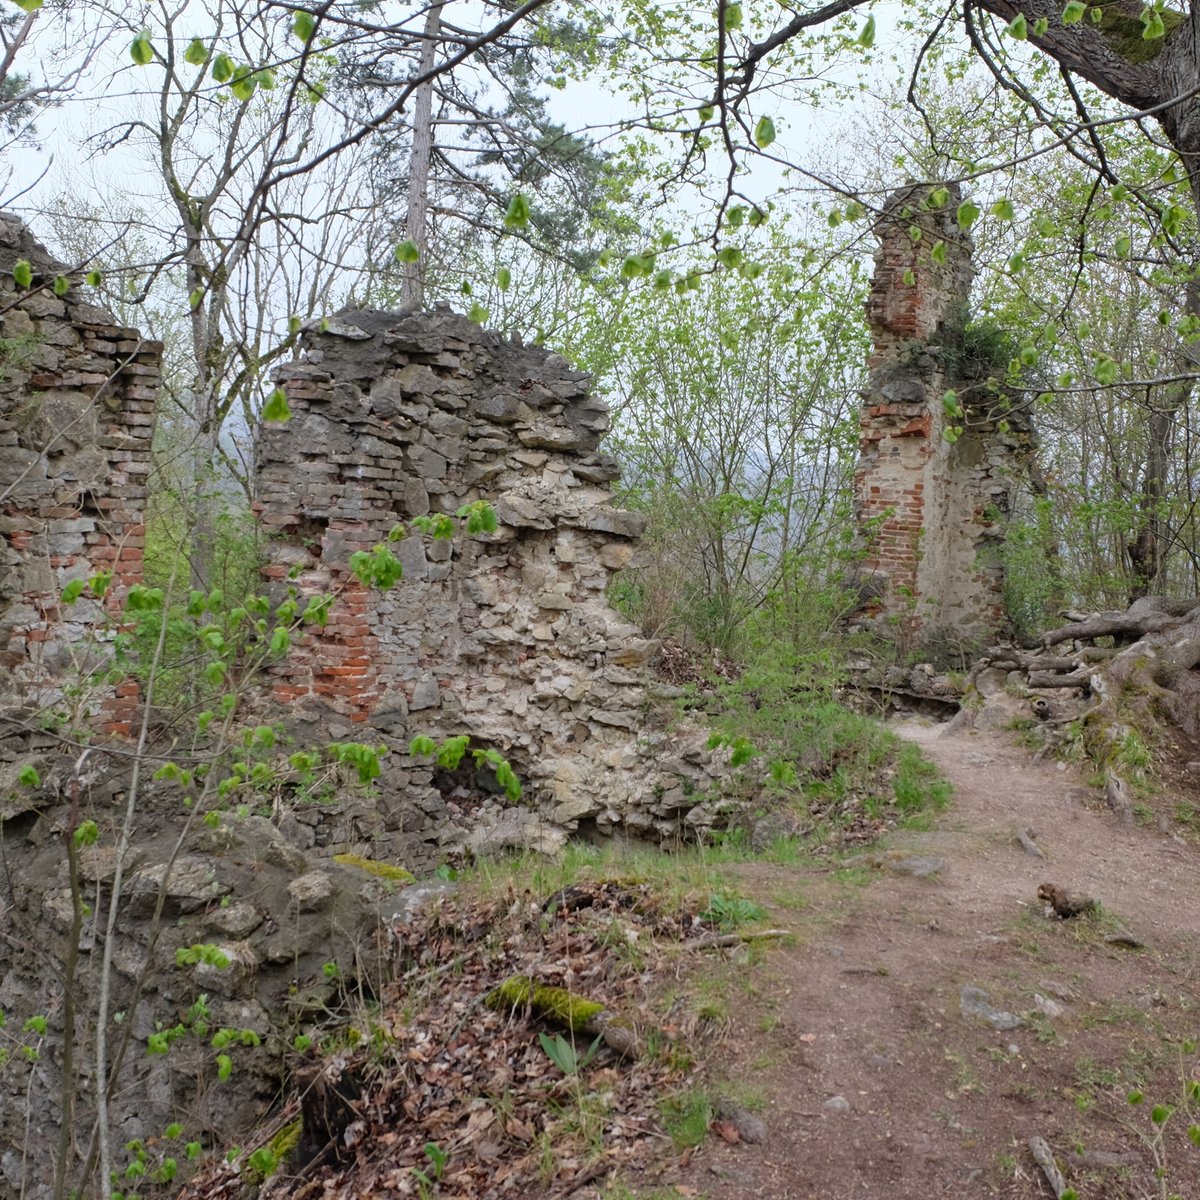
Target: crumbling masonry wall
<point>77,393</point>
<point>507,637</point>
<point>930,510</point>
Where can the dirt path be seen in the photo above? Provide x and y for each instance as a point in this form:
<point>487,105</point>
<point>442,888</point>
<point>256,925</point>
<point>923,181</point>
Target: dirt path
<point>872,1082</point>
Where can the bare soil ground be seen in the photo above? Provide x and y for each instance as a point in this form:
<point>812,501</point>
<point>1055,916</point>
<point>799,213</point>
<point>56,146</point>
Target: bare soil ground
<point>852,1043</point>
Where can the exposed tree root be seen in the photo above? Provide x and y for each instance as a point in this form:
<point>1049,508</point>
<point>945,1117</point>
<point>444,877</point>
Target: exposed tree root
<point>1143,680</point>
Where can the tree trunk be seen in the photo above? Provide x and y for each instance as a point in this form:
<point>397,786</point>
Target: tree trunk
<point>416,224</point>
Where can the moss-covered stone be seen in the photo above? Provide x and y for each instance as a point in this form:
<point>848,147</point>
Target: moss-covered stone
<point>380,870</point>
<point>553,1003</point>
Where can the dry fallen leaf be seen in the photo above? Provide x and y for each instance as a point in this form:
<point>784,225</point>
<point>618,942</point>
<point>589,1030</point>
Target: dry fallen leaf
<point>727,1131</point>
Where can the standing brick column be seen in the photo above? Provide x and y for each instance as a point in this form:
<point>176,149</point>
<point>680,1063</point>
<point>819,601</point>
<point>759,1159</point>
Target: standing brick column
<point>928,509</point>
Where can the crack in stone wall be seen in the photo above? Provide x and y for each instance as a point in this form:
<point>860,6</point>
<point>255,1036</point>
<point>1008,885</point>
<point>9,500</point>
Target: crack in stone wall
<point>930,511</point>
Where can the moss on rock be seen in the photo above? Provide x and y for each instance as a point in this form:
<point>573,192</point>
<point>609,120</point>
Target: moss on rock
<point>371,866</point>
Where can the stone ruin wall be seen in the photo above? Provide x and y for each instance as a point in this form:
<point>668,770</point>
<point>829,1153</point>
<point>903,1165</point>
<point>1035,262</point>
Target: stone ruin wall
<point>930,512</point>
<point>77,400</point>
<point>507,637</point>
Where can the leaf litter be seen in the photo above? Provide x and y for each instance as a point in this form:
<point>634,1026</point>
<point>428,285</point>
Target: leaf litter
<point>443,1095</point>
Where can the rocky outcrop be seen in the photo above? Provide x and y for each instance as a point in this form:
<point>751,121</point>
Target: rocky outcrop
<point>256,937</point>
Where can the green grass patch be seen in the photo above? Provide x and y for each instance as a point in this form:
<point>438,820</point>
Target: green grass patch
<point>686,1117</point>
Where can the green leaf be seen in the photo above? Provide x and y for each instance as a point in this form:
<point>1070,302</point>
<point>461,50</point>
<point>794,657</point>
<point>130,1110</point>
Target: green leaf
<point>173,1130</point>
<point>23,273</point>
<point>224,1067</point>
<point>93,278</point>
<point>196,54</point>
<point>477,313</point>
<point>276,407</point>
<point>1072,14</point>
<point>1106,370</point>
<point>140,598</point>
<point>263,1161</point>
<point>1160,1113</point>
<point>764,133</point>
<point>1018,28</point>
<point>407,252</point>
<point>733,16</point>
<point>866,37</point>
<point>1123,246</point>
<point>967,212</point>
<point>223,68</point>
<point>1152,25</point>
<point>939,197</point>
<point>1003,209</point>
<point>28,777</point>
<point>1194,1134</point>
<point>28,6</point>
<point>1028,356</point>
<point>480,517</point>
<point>195,298</point>
<point>503,278</point>
<point>62,285</point>
<point>516,215</point>
<point>706,114</point>
<point>729,256</point>
<point>938,253</point>
<point>1040,26</point>
<point>141,50</point>
<point>243,84</point>
<point>88,833</point>
<point>72,591</point>
<point>304,25</point>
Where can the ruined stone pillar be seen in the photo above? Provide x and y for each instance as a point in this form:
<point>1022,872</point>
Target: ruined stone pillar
<point>929,509</point>
<point>77,400</point>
